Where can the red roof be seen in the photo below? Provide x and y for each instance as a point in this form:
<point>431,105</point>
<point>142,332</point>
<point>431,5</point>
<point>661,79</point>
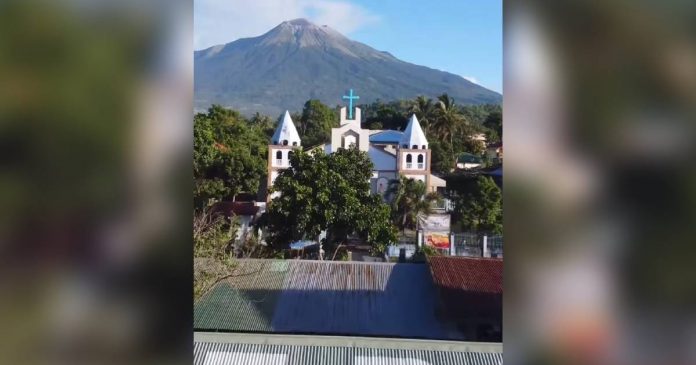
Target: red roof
<point>469,274</point>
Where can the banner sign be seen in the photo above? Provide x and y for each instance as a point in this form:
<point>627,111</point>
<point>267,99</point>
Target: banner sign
<point>437,240</point>
<point>434,223</point>
<point>436,229</point>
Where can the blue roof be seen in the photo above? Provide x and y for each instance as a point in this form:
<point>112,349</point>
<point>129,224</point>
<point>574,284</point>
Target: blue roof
<point>388,136</point>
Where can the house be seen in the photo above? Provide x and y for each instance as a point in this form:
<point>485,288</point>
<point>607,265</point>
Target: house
<point>468,161</point>
<point>470,290</point>
<point>494,151</point>
<point>245,212</point>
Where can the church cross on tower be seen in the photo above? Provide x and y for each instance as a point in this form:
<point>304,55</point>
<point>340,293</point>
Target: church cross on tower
<point>350,98</point>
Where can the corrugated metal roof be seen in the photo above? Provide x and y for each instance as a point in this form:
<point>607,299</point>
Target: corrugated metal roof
<point>386,136</point>
<point>324,297</point>
<point>221,349</point>
<point>480,275</point>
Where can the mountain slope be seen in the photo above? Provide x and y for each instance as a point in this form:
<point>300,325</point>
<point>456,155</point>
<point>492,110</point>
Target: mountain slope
<point>298,60</point>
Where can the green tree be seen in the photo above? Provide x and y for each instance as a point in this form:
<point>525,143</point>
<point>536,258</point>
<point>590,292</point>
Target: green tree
<point>424,110</point>
<point>263,123</point>
<point>393,115</point>
<point>494,123</point>
<point>409,199</point>
<point>442,160</point>
<point>229,155</point>
<point>480,208</point>
<point>448,121</point>
<point>328,192</point>
<point>315,123</point>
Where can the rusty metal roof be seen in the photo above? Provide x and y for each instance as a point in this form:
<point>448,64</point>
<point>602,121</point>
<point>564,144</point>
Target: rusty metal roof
<point>324,297</point>
<point>469,274</point>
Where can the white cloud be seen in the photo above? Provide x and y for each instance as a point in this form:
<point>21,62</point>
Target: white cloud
<point>471,79</point>
<point>223,21</point>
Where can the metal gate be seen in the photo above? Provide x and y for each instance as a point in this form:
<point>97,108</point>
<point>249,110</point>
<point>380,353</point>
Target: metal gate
<point>495,246</point>
<point>468,244</point>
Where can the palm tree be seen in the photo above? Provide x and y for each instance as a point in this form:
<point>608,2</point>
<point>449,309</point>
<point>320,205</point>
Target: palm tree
<point>449,120</point>
<point>409,199</point>
<point>423,108</point>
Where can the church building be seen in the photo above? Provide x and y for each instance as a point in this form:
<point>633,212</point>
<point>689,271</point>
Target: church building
<point>393,153</point>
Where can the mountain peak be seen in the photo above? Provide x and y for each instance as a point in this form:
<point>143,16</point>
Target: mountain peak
<point>299,21</point>
<point>298,60</point>
<point>303,33</point>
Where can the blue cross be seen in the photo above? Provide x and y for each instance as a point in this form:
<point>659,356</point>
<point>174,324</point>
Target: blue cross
<point>350,103</point>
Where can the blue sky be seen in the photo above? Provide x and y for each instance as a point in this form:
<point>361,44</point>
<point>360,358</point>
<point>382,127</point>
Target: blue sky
<point>463,37</point>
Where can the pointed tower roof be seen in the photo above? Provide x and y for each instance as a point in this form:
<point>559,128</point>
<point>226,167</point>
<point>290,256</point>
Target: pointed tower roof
<point>286,131</point>
<point>413,135</point>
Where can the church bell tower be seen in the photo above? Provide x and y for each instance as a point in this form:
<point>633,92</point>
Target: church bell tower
<point>284,141</point>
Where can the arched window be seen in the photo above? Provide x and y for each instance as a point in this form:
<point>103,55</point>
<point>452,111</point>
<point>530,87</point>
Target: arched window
<point>279,158</point>
<point>294,143</point>
<point>290,153</point>
<point>285,142</point>
<point>420,162</point>
<point>425,147</point>
<point>409,161</point>
<point>415,147</point>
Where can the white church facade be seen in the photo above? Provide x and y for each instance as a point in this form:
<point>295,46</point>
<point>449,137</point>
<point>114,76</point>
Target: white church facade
<point>393,153</point>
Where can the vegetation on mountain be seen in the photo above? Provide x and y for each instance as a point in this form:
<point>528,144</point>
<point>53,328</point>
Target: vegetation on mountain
<point>298,60</point>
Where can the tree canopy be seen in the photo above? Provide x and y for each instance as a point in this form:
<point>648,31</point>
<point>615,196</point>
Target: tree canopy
<point>409,198</point>
<point>328,192</point>
<point>478,205</point>
<point>315,123</point>
<point>229,155</point>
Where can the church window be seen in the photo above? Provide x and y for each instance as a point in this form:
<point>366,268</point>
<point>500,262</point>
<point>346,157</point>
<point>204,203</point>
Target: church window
<point>425,147</point>
<point>421,165</point>
<point>294,143</point>
<point>289,156</point>
<point>279,158</point>
<point>415,147</point>
<point>285,142</point>
<point>409,161</point>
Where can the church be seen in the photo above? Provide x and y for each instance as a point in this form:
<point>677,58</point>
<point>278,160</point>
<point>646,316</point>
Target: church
<point>393,153</point>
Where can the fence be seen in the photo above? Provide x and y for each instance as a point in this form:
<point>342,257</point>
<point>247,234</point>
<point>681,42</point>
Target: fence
<point>495,246</point>
<point>467,244</point>
<point>461,244</point>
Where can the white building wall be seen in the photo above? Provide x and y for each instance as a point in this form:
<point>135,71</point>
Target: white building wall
<point>414,165</point>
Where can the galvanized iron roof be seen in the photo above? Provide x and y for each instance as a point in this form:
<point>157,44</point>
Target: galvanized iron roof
<point>324,297</point>
<point>219,349</point>
<point>468,274</point>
